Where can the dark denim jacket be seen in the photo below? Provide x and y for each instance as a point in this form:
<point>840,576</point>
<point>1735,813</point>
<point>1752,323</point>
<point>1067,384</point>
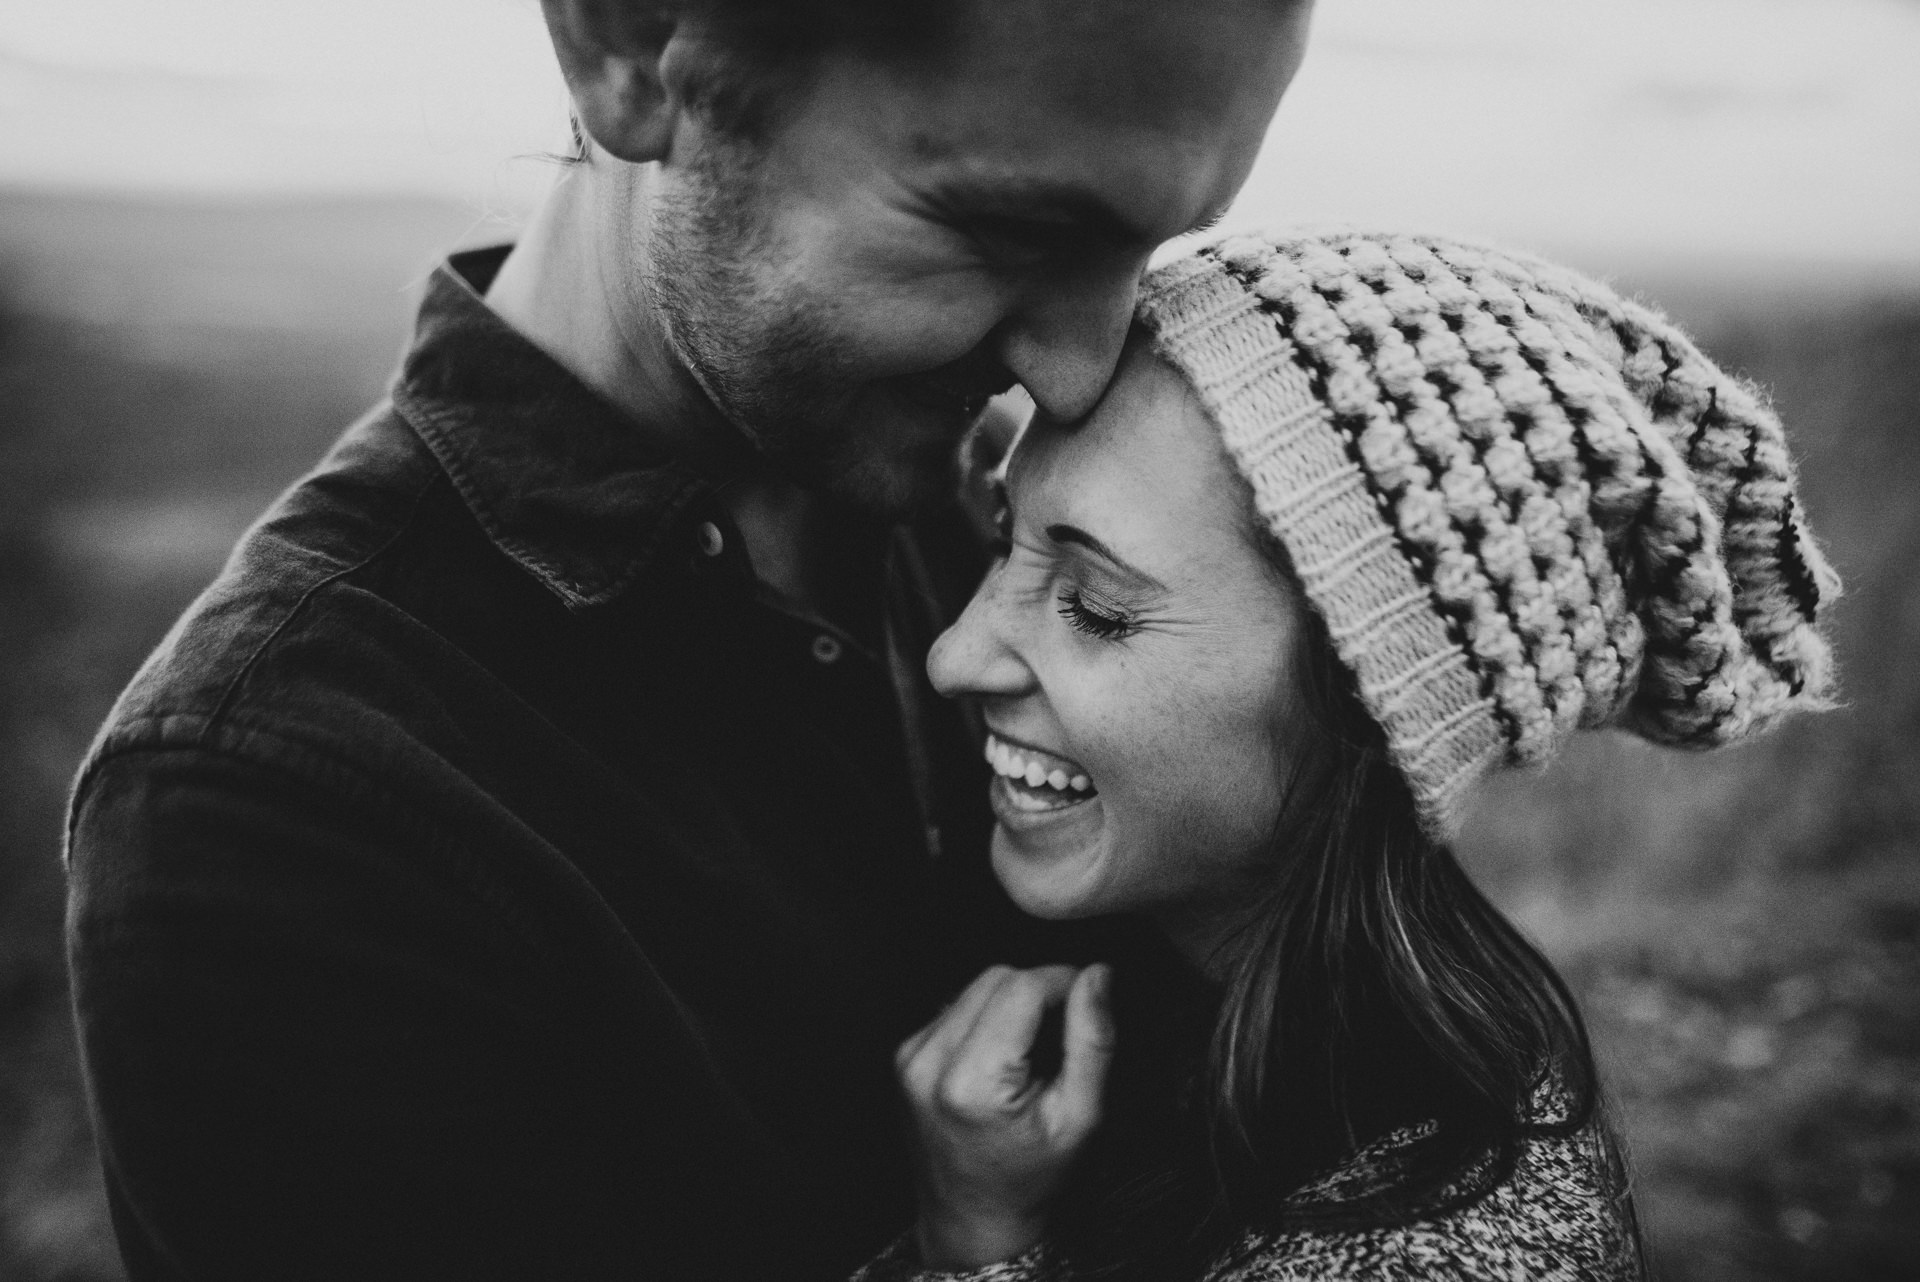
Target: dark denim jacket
<point>485,879</point>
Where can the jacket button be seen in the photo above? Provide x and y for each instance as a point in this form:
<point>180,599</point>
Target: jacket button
<point>826,648</point>
<point>712,542</point>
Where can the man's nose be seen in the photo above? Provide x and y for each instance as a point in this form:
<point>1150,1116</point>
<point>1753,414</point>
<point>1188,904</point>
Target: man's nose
<point>1064,343</point>
<point>973,657</point>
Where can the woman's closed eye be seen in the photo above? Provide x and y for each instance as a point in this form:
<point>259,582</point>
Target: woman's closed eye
<point>1087,614</point>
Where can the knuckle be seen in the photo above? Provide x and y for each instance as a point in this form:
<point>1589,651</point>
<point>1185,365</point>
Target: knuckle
<point>953,1097</point>
<point>966,1095</point>
<point>1028,983</point>
<point>1098,1038</point>
<point>917,1078</point>
<point>1073,1125</point>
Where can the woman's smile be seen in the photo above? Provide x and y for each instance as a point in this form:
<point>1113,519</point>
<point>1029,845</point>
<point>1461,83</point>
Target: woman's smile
<point>1040,779</point>
<point>1040,796</point>
<point>1132,653</point>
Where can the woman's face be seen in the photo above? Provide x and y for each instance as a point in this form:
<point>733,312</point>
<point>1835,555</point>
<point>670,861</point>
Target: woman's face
<point>1134,656</point>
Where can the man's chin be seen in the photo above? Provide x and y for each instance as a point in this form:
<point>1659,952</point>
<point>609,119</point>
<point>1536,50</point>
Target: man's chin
<point>928,399</point>
<point>901,457</point>
<point>886,453</point>
<point>895,486</point>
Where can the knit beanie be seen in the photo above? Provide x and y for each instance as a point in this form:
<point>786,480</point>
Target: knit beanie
<point>1521,503</point>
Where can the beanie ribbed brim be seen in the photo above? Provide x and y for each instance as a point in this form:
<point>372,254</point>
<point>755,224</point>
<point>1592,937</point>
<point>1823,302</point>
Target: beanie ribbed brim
<point>1413,677</point>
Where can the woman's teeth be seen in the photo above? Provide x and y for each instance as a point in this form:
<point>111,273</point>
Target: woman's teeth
<point>1041,777</point>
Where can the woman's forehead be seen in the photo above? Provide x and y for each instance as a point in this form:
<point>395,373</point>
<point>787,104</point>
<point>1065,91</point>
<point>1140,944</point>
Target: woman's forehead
<point>1146,464</point>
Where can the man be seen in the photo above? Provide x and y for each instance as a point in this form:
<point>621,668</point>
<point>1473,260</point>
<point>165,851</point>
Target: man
<point>523,860</point>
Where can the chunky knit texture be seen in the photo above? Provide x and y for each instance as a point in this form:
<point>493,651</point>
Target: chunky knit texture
<point>1553,1218</point>
<point>1522,503</point>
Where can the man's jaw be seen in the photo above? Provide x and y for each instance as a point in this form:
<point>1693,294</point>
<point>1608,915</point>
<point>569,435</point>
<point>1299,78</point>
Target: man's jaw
<point>895,445</point>
<point>960,406</point>
<point>962,388</point>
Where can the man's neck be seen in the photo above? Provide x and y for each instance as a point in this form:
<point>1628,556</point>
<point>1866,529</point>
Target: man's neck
<point>571,286</point>
<point>574,286</point>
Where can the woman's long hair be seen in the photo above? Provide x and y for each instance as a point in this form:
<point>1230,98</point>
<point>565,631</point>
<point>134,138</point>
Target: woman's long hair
<point>1373,988</point>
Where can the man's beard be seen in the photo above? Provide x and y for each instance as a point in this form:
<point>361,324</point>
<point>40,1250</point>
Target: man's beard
<point>767,361</point>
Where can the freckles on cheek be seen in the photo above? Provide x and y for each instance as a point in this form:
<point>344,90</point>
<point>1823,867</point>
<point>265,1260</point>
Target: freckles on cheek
<point>1143,732</point>
<point>1210,773</point>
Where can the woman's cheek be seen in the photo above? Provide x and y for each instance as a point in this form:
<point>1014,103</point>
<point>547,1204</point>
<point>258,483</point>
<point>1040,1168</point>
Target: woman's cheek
<point>1151,809</point>
<point>1213,784</point>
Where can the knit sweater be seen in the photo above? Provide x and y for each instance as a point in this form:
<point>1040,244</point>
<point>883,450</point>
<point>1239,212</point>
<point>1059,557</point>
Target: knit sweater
<point>1553,1218</point>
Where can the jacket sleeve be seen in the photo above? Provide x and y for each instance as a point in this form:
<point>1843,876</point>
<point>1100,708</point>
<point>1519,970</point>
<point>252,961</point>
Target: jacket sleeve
<point>314,1049</point>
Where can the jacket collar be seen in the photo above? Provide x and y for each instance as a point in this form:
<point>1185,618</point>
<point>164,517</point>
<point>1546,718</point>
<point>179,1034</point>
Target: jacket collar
<point>564,483</point>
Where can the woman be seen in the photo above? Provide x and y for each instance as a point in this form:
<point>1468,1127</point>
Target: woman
<point>1360,518</point>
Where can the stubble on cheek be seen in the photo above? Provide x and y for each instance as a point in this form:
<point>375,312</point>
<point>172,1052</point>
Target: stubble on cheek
<point>759,349</point>
<point>895,478</point>
<point>772,311</point>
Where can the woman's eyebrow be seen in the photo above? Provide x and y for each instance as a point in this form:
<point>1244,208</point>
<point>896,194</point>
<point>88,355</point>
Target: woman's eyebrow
<point>1073,534</point>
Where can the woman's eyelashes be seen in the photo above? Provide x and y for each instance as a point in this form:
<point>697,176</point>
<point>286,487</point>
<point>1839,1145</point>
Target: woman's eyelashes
<point>1046,569</point>
<point>1102,620</point>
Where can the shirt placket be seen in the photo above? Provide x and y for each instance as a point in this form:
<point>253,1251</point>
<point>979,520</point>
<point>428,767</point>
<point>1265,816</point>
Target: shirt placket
<point>908,620</point>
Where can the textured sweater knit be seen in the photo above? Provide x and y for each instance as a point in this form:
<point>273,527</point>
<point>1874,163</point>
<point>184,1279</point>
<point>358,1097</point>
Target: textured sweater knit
<point>1552,1219</point>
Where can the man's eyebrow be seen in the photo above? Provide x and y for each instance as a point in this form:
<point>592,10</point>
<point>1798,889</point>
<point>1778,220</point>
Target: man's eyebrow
<point>1073,534</point>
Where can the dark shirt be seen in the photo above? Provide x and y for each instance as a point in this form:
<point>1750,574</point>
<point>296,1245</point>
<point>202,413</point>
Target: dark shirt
<point>488,878</point>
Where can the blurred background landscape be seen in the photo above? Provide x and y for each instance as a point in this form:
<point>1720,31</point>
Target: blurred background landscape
<point>215,218</point>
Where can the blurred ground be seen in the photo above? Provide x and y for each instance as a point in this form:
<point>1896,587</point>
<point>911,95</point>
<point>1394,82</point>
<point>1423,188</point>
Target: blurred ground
<point>1744,929</point>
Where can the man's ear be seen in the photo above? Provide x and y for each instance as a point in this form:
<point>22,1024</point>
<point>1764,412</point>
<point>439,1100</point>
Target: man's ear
<point>611,53</point>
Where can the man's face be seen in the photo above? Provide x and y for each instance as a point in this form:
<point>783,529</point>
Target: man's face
<point>909,239</point>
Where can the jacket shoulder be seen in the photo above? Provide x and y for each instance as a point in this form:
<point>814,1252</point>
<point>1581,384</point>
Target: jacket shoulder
<point>353,506</point>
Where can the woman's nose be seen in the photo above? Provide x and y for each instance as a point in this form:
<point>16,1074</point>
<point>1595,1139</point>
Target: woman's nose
<point>972,657</point>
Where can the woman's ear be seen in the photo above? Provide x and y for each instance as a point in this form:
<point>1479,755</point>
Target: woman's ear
<point>612,53</point>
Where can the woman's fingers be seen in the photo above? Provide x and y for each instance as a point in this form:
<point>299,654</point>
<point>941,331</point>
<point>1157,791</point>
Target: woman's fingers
<point>973,1062</point>
<point>990,1070</point>
<point>1071,1105</point>
<point>993,1149</point>
<point>922,1057</point>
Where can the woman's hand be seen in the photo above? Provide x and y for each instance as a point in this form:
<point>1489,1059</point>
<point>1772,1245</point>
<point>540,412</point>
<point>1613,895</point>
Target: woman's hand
<point>996,1139</point>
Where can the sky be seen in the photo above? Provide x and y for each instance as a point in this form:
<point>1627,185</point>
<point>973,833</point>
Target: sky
<point>1729,129</point>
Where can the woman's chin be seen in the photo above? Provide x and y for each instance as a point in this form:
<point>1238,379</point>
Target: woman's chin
<point>1050,861</point>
